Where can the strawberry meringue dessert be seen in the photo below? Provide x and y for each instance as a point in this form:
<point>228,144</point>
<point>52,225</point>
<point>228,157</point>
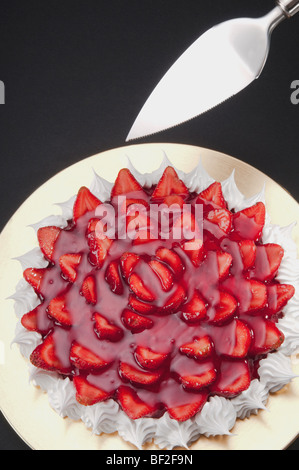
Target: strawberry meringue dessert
<point>160,307</point>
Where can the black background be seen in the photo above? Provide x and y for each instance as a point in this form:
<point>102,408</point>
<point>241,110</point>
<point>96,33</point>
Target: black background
<point>76,73</point>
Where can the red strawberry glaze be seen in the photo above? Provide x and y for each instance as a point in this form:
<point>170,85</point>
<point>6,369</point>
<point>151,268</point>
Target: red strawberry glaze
<point>231,364</point>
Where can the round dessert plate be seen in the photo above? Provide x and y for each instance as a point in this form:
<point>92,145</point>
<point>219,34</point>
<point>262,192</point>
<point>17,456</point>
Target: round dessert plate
<point>25,407</point>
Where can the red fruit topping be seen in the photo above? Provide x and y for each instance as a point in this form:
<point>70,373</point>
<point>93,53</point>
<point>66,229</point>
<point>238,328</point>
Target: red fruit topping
<point>106,330</point>
<point>134,322</point>
<point>87,394</point>
<point>200,348</point>
<point>134,407</point>
<point>164,274</point>
<point>195,310</point>
<point>174,302</point>
<point>172,259</point>
<point>89,290</point>
<point>125,183</point>
<point>139,376</point>
<point>224,263</point>
<point>169,184</point>
<point>128,261</point>
<point>220,217</point>
<point>57,310</point>
<point>278,296</point>
<point>266,338</point>
<point>249,223</point>
<point>213,194</point>
<point>29,320</point>
<point>230,384</point>
<point>239,345</point>
<point>34,277</point>
<point>139,289</point>
<point>194,249</point>
<point>44,356</point>
<point>98,249</point>
<point>174,200</point>
<point>184,412</point>
<point>267,262</point>
<point>224,310</point>
<point>84,359</point>
<point>149,359</point>
<point>248,253</point>
<point>85,202</point>
<point>140,306</point>
<point>204,375</point>
<point>113,278</point>
<point>47,238</point>
<point>258,295</point>
<point>69,264</point>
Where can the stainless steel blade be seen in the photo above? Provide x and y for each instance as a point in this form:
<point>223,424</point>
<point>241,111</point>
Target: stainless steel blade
<point>221,63</point>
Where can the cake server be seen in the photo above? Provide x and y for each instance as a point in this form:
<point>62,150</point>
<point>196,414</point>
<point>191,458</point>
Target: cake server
<point>218,65</point>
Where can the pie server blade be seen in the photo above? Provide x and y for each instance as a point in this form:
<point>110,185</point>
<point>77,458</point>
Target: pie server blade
<point>218,65</point>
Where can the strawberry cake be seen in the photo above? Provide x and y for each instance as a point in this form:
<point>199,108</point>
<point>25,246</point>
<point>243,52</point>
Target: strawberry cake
<point>160,331</point>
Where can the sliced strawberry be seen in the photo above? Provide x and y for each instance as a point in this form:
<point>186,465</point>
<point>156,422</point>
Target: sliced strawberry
<point>98,249</point>
<point>47,237</point>
<point>195,310</point>
<point>34,277</point>
<point>69,264</point>
<point>205,375</point>
<point>169,184</point>
<point>128,262</point>
<point>249,223</point>
<point>134,322</point>
<point>57,310</point>
<point>44,356</point>
<point>194,250</point>
<point>224,310</point>
<point>184,412</point>
<point>267,262</point>
<point>174,200</point>
<point>200,348</point>
<point>125,183</point>
<point>87,394</point>
<point>149,359</point>
<point>138,202</point>
<point>248,253</point>
<point>89,290</point>
<point>138,287</point>
<point>112,276</point>
<point>258,295</point>
<point>84,359</point>
<point>175,300</point>
<point>266,338</point>
<point>140,306</point>
<point>172,259</point>
<point>278,296</point>
<point>238,340</point>
<point>143,236</point>
<point>30,321</point>
<point>224,261</point>
<point>85,202</point>
<point>93,225</point>
<point>234,377</point>
<point>137,376</point>
<point>213,194</point>
<point>163,273</point>
<point>106,330</point>
<point>133,406</point>
<point>222,218</point>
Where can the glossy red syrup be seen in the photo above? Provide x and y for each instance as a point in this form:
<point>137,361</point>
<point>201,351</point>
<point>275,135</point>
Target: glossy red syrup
<point>169,331</point>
